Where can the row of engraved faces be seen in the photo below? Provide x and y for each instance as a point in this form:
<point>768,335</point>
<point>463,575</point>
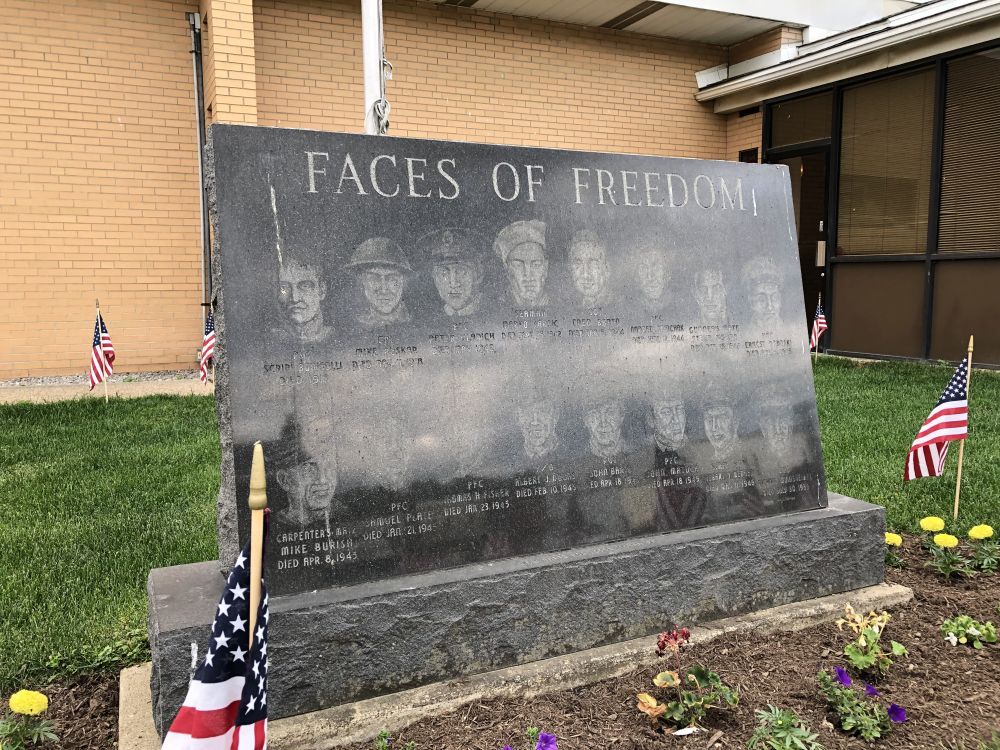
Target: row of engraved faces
<point>305,458</point>
<point>457,266</point>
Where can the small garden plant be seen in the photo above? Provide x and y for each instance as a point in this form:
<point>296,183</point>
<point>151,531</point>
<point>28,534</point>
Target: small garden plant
<point>865,652</point>
<point>695,690</point>
<point>384,742</point>
<point>25,727</point>
<point>780,729</point>
<point>538,740</point>
<point>985,551</point>
<point>892,544</point>
<point>863,715</point>
<point>966,631</point>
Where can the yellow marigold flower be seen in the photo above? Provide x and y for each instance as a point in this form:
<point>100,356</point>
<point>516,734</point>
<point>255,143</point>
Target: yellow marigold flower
<point>893,540</point>
<point>932,523</point>
<point>945,540</point>
<point>980,532</point>
<point>28,702</point>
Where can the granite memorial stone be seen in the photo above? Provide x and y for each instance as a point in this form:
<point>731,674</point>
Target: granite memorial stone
<point>467,362</point>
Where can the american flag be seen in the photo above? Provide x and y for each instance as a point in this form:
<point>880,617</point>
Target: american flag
<point>207,346</point>
<point>102,353</point>
<point>819,326</point>
<point>226,704</point>
<point>948,421</point>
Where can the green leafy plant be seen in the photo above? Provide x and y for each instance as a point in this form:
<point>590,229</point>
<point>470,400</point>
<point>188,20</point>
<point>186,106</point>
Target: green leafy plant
<point>865,652</point>
<point>949,563</point>
<point>986,555</point>
<point>855,715</point>
<point>963,629</point>
<point>25,726</point>
<point>383,741</point>
<point>780,729</point>
<point>695,689</point>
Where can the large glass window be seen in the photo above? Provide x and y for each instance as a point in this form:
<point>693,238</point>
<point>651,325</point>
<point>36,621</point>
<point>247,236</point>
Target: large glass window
<point>970,172</point>
<point>885,165</point>
<point>808,118</point>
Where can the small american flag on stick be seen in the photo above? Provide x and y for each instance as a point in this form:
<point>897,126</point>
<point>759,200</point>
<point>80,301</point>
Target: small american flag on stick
<point>102,353</point>
<point>819,326</point>
<point>226,704</point>
<point>948,421</point>
<point>207,347</point>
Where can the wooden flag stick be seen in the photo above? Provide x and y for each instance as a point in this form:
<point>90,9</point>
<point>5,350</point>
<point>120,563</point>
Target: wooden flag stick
<point>819,304</point>
<point>257,502</point>
<point>961,445</point>
<point>104,380</point>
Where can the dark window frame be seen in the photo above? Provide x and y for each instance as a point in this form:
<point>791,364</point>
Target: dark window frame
<point>931,257</point>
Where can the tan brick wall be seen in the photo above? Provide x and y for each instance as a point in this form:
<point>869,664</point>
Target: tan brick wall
<point>487,77</point>
<point>99,194</point>
<point>743,133</point>
<point>761,44</point>
<point>230,68</point>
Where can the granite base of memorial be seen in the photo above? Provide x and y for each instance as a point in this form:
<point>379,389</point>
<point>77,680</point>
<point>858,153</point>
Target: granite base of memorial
<point>338,645</point>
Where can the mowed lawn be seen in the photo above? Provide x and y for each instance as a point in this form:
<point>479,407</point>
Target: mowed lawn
<point>92,496</point>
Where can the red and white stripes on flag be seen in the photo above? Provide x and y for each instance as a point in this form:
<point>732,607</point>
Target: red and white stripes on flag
<point>102,353</point>
<point>819,326</point>
<point>948,421</point>
<point>226,704</point>
<point>207,347</point>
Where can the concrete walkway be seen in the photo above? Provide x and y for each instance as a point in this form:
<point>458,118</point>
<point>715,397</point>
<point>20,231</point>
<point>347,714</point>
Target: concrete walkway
<point>47,392</point>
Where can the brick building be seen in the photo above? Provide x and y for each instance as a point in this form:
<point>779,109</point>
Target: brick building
<point>100,189</point>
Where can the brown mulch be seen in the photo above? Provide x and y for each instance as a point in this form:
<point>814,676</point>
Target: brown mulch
<point>951,694</point>
<point>84,712</point>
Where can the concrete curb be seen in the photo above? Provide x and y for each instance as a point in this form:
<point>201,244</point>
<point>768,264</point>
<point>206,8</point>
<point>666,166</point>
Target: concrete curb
<point>361,721</point>
<point>43,394</point>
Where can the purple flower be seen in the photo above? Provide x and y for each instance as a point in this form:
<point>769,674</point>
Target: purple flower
<point>897,714</point>
<point>507,747</point>
<point>546,741</point>
<point>870,689</point>
<point>842,677</point>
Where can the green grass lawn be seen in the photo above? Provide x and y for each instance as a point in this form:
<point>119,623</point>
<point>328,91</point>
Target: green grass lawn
<point>93,496</point>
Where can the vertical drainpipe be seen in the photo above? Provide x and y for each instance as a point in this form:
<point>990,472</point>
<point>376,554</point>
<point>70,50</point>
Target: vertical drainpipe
<point>194,19</point>
<point>372,55</point>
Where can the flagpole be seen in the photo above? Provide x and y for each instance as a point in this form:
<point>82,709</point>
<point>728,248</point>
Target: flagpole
<point>961,445</point>
<point>257,502</point>
<point>104,380</point>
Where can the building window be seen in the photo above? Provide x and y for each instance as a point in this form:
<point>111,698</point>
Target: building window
<point>970,171</point>
<point>802,120</point>
<point>885,165</point>
<point>750,156</point>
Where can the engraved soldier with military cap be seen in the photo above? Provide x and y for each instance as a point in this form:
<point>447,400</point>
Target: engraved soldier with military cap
<point>521,248</point>
<point>457,269</point>
<point>384,273</point>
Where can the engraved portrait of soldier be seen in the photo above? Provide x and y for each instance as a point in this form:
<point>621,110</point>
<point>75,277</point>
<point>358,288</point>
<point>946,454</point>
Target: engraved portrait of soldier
<point>388,451</point>
<point>605,418</point>
<point>305,458</point>
<point>721,429</point>
<point>763,280</point>
<point>786,475</point>
<point>588,267</point>
<point>521,248</point>
<point>680,496</point>
<point>301,291</point>
<point>384,274</point>
<point>668,420</point>
<point>710,295</point>
<point>651,277</point>
<point>537,415</point>
<point>456,268</point>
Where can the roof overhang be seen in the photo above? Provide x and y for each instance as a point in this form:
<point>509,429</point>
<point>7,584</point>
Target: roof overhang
<point>930,30</point>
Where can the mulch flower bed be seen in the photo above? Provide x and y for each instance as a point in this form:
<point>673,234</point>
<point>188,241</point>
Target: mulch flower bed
<point>951,694</point>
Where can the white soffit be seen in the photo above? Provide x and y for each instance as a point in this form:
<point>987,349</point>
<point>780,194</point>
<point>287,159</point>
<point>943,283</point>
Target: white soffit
<point>653,17</point>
